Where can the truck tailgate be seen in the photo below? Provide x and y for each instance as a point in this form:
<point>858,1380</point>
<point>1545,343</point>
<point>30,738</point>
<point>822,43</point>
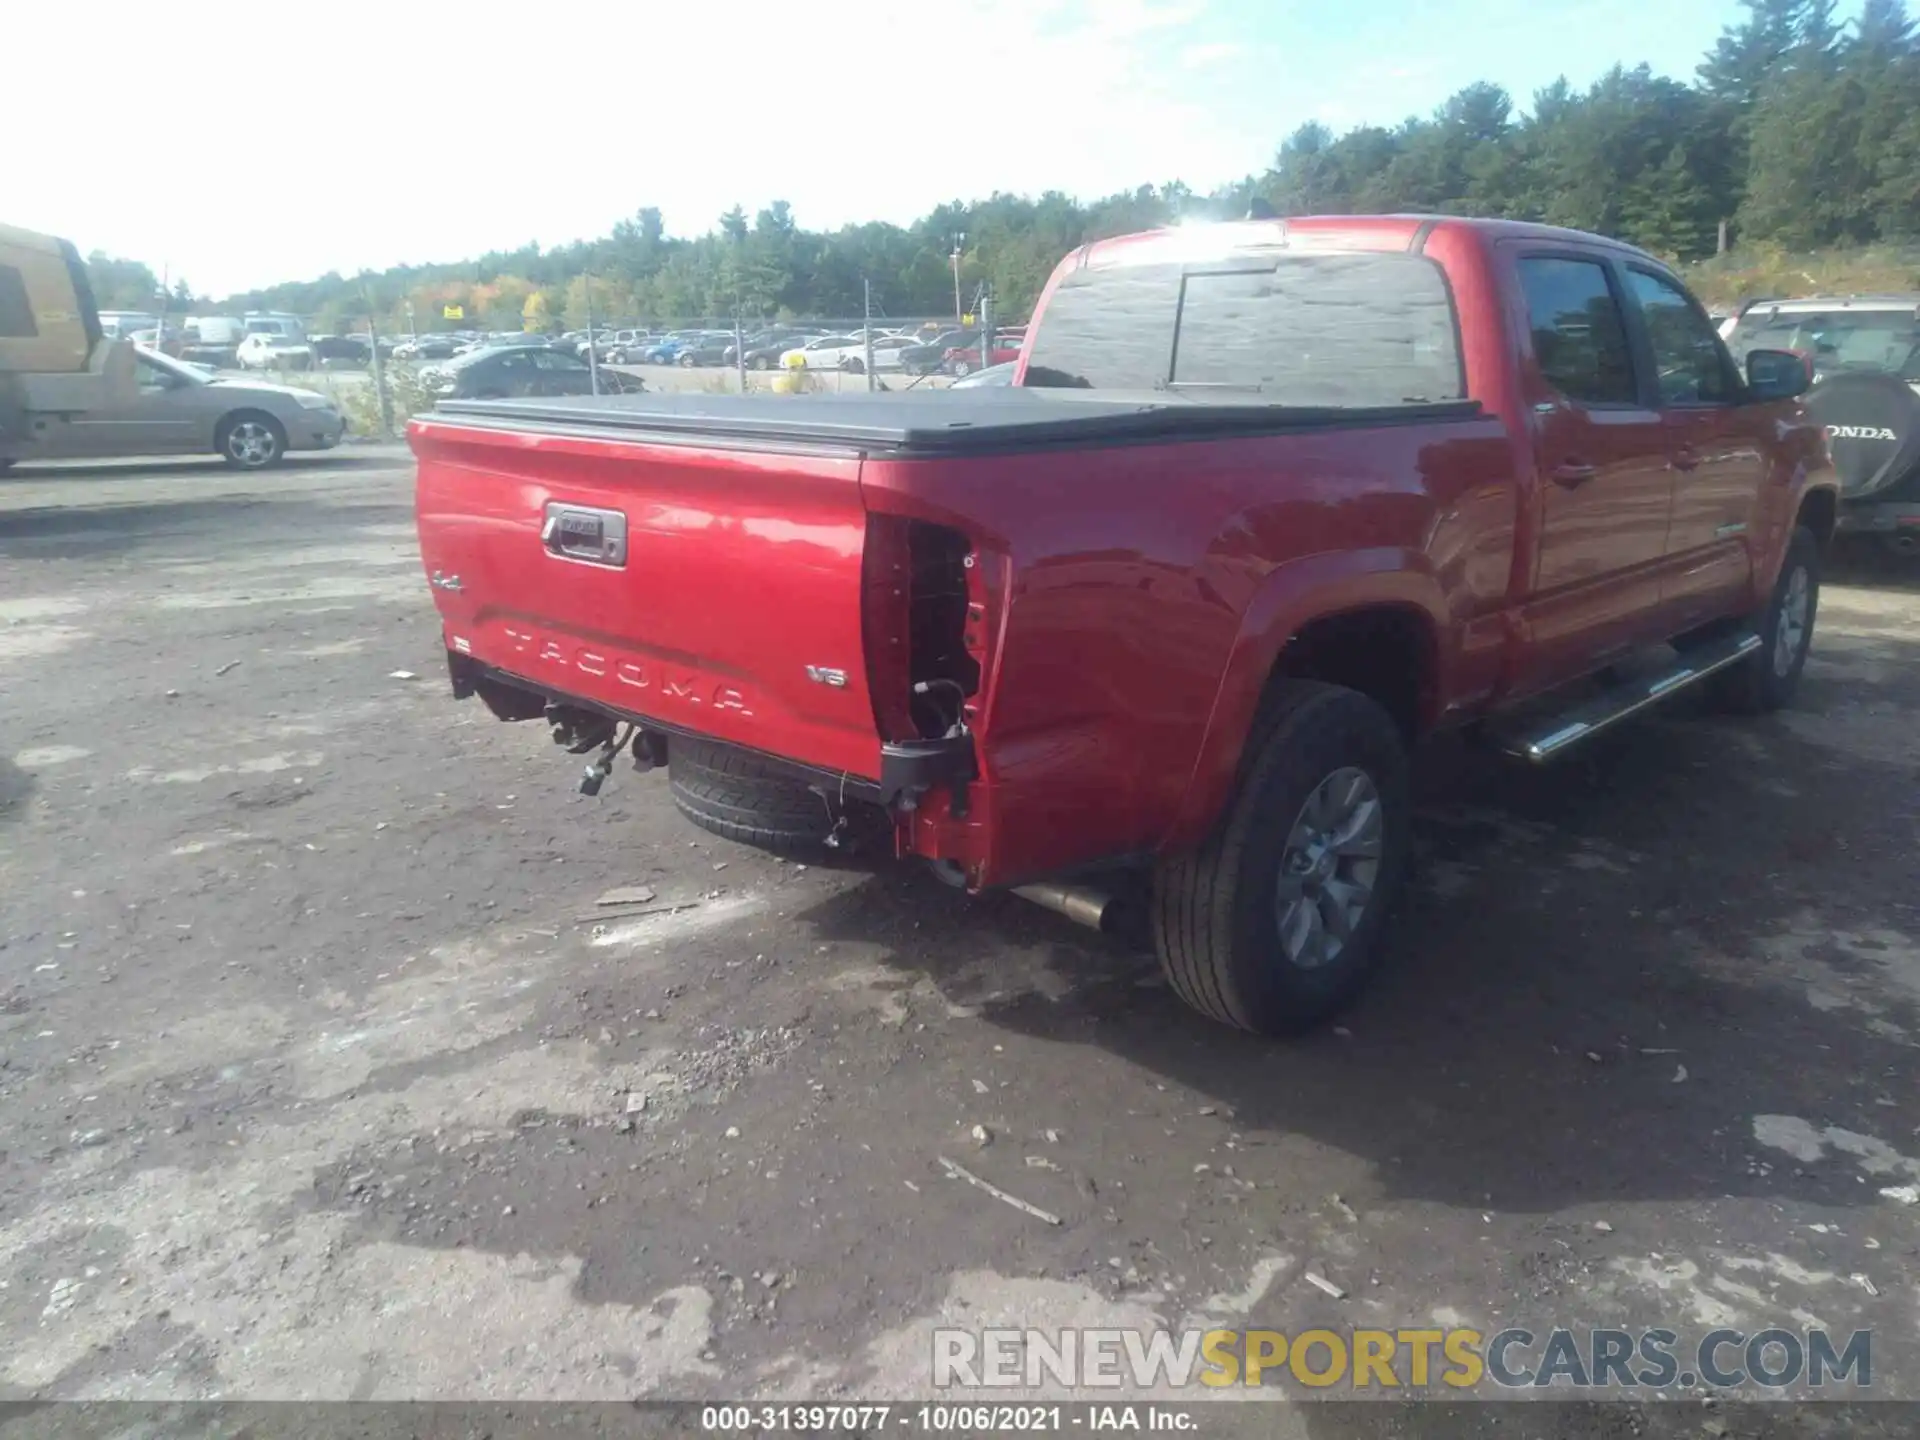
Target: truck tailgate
<point>715,590</point>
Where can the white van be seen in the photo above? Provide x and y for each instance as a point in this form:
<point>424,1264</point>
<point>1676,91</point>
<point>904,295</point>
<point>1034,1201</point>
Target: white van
<point>216,330</point>
<point>277,323</point>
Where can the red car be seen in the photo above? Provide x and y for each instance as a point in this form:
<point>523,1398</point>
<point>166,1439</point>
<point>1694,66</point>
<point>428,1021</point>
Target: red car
<point>965,359</point>
<point>1269,502</point>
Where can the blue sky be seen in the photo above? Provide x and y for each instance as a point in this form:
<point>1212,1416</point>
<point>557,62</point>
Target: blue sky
<point>370,132</point>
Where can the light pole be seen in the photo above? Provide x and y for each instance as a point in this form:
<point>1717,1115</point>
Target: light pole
<point>958,241</point>
<point>593,353</point>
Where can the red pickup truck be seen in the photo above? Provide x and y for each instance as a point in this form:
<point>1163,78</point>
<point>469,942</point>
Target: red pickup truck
<point>1267,502</point>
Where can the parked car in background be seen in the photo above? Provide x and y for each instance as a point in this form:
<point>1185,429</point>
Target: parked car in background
<point>993,375</point>
<point>183,410</point>
<point>124,324</point>
<point>710,349</point>
<point>517,371</point>
<point>1862,355</point>
<point>425,347</point>
<point>344,352</point>
<point>888,350</point>
<point>655,352</point>
<point>263,351</point>
<point>628,341</point>
<point>926,359</point>
<point>765,349</point>
<point>493,339</point>
<point>827,352</point>
<point>963,360</point>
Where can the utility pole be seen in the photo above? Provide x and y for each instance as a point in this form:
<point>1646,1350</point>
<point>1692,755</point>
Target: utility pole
<point>381,394</point>
<point>740,351</point>
<point>413,325</point>
<point>958,241</point>
<point>866,329</point>
<point>593,355</point>
<point>160,327</point>
<point>986,327</point>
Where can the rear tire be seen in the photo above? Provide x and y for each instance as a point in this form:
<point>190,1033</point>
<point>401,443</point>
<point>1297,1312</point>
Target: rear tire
<point>737,796</point>
<point>1766,679</point>
<point>1315,842</point>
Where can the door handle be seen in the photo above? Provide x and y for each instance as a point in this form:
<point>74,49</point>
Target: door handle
<point>1573,473</point>
<point>1686,460</point>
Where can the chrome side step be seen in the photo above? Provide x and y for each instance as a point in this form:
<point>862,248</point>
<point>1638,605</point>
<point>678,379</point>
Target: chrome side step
<point>1590,717</point>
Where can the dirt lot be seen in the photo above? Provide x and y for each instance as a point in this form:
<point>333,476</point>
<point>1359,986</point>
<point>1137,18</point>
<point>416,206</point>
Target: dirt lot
<point>321,1075</point>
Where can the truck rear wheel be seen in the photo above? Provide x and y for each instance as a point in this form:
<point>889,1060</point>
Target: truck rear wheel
<point>1767,679</point>
<point>732,794</point>
<point>1274,923</point>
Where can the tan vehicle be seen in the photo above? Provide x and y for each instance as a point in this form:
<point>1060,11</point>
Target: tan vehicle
<point>55,363</point>
<point>181,409</point>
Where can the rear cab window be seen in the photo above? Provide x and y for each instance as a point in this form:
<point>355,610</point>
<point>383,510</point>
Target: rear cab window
<point>1338,329</point>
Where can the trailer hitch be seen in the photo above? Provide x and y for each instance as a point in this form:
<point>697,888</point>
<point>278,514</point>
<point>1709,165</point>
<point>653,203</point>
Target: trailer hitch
<point>601,765</point>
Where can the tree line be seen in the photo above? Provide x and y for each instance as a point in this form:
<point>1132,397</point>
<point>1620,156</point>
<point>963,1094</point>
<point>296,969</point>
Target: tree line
<point>1795,130</point>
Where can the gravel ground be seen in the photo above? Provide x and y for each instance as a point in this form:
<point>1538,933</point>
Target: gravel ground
<point>323,1076</point>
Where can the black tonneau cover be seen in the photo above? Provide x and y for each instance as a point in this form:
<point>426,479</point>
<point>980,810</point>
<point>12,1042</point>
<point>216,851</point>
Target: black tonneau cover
<point>931,423</point>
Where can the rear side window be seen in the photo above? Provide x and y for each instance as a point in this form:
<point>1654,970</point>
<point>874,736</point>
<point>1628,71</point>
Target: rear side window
<point>16,315</point>
<point>1340,330</point>
<point>1579,338</point>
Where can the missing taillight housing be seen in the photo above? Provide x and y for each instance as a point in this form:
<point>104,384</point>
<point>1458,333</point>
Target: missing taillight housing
<point>943,676</point>
<point>922,626</point>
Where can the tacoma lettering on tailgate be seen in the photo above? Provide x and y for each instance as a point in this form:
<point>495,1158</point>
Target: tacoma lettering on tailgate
<point>685,687</point>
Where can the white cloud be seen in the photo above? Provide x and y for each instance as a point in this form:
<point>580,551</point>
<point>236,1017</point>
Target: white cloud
<point>283,142</point>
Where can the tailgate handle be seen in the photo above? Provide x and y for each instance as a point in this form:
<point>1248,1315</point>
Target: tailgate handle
<point>585,533</point>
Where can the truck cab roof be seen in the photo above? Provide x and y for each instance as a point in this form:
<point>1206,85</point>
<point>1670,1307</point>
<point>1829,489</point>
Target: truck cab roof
<point>1372,232</point>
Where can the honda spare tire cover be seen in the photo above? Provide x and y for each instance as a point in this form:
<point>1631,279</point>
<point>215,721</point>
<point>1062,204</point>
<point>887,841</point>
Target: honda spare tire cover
<point>1873,430</point>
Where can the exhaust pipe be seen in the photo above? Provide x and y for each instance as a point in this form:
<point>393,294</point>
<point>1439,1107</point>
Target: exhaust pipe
<point>1078,903</point>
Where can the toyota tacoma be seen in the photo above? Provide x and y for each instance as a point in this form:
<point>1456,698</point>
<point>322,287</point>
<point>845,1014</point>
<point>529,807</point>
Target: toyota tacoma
<point>1267,502</point>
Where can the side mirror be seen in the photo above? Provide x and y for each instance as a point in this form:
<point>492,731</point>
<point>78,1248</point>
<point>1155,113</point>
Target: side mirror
<point>1777,374</point>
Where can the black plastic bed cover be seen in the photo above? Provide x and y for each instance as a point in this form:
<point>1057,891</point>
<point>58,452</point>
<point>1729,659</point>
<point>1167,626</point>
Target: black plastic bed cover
<point>937,423</point>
